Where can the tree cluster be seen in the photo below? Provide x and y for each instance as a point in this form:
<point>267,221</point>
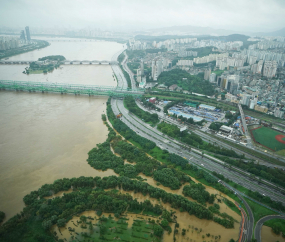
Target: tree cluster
<point>192,84</point>
<point>198,192</point>
<point>2,216</point>
<point>41,213</point>
<point>53,58</point>
<point>168,177</point>
<point>271,174</point>
<point>194,140</point>
<point>146,116</point>
<point>150,105</point>
<point>216,126</point>
<point>128,133</point>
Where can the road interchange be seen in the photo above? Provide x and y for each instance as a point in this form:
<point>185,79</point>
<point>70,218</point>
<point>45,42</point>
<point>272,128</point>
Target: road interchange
<point>176,147</point>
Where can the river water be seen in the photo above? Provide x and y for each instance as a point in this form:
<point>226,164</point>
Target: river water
<point>44,137</point>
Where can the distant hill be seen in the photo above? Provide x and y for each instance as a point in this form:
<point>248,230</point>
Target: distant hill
<point>231,37</point>
<point>196,31</point>
<point>192,30</point>
<point>280,32</point>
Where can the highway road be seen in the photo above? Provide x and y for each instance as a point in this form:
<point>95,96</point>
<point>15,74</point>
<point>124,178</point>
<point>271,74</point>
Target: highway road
<point>208,138</point>
<point>260,222</point>
<point>250,219</point>
<point>174,146</point>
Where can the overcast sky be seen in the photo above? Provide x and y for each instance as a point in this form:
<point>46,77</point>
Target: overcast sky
<point>239,15</point>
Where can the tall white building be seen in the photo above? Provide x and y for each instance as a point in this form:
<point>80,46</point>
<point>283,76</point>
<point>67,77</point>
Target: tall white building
<point>207,74</point>
<point>142,68</point>
<point>245,99</point>
<point>232,83</point>
<point>213,77</point>
<point>269,69</point>
<point>156,68</point>
<point>259,66</point>
<point>184,63</point>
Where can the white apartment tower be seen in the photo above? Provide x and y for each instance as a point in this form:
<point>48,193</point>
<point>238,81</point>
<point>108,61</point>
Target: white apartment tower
<point>156,68</point>
<point>269,69</point>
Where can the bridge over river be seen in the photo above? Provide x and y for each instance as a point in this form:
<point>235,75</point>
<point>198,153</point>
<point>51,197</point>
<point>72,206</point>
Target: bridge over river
<point>65,62</point>
<point>64,88</point>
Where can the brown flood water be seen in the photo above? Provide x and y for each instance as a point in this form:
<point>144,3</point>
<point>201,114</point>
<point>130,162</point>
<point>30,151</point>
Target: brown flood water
<point>44,137</point>
<point>223,206</point>
<point>65,233</point>
<point>185,221</point>
<point>268,236</point>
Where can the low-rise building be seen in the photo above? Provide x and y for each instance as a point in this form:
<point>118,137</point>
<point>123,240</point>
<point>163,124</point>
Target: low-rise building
<point>173,87</point>
<point>152,100</point>
<point>262,109</point>
<point>226,129</point>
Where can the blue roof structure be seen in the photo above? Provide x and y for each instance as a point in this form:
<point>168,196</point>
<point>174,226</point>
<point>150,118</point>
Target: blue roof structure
<point>178,113</point>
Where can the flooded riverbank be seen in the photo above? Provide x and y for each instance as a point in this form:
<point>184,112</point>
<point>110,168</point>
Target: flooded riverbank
<point>196,229</point>
<point>268,236</point>
<point>44,137</point>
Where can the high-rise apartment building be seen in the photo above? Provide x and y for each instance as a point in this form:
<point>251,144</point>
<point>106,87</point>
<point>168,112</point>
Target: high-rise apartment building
<point>212,77</point>
<point>245,99</point>
<point>259,66</point>
<point>207,74</point>
<point>28,34</point>
<point>269,69</point>
<point>156,68</point>
<point>22,36</point>
<point>142,68</point>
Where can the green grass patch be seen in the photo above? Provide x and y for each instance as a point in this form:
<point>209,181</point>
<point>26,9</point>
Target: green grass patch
<point>266,137</point>
<point>107,229</point>
<point>250,151</point>
<point>258,210</point>
<point>218,72</point>
<point>280,223</point>
<point>36,71</point>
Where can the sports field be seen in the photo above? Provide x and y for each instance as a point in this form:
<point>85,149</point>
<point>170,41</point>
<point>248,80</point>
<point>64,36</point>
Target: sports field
<point>269,138</point>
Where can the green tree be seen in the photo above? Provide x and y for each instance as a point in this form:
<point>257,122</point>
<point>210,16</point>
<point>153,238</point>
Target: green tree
<point>2,216</point>
<point>61,222</point>
<point>157,230</point>
<point>164,223</point>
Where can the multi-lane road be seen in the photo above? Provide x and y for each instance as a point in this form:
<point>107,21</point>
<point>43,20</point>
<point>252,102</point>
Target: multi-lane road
<point>258,226</point>
<point>176,147</point>
<point>208,138</point>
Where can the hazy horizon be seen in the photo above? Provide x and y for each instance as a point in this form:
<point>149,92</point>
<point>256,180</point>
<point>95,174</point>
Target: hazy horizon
<point>126,15</point>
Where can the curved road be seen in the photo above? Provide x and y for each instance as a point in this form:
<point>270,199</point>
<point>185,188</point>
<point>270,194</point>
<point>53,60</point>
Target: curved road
<point>258,226</point>
<point>174,146</point>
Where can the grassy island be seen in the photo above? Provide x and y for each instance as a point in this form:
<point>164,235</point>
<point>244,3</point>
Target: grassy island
<point>44,64</point>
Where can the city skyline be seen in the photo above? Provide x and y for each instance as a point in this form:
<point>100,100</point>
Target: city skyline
<point>126,15</point>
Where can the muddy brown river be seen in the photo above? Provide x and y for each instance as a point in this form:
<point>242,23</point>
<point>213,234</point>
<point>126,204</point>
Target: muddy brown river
<point>44,137</point>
